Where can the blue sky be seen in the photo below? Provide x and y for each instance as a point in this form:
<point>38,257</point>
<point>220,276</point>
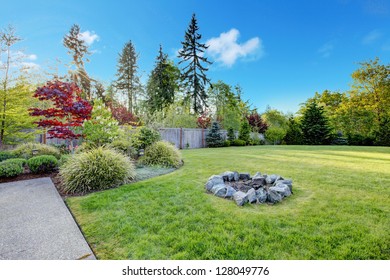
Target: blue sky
<point>281,52</point>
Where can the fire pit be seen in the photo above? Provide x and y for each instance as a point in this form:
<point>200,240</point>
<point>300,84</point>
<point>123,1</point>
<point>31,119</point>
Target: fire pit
<point>243,188</point>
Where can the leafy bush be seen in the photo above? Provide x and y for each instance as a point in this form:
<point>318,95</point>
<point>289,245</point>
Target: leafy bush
<point>124,146</point>
<point>144,137</point>
<point>26,150</point>
<point>21,161</point>
<point>231,136</point>
<point>360,140</point>
<point>226,143</point>
<point>255,139</point>
<point>275,134</point>
<point>63,159</point>
<point>63,148</point>
<point>98,169</point>
<point>238,142</point>
<point>10,169</point>
<point>42,164</point>
<point>162,153</point>
<point>4,155</point>
<point>214,137</point>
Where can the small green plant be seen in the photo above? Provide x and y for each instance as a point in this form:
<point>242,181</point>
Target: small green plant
<point>162,153</point>
<point>144,137</point>
<point>42,164</point>
<point>10,169</point>
<point>231,136</point>
<point>63,159</point>
<point>124,146</point>
<point>238,142</point>
<point>4,155</point>
<point>97,169</point>
<point>226,143</point>
<point>63,148</point>
<point>21,161</point>
<point>28,150</point>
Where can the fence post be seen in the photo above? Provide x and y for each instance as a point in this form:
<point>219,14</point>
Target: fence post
<point>181,138</point>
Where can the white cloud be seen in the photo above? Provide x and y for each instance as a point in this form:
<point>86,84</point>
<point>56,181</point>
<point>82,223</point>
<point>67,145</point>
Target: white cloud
<point>88,37</point>
<point>326,50</point>
<point>371,37</point>
<point>20,59</point>
<point>226,50</point>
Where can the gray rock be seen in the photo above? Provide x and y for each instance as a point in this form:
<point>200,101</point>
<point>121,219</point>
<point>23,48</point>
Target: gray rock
<point>251,195</point>
<point>274,197</point>
<point>213,180</point>
<point>236,176</point>
<point>261,181</point>
<point>272,178</point>
<point>240,198</point>
<point>287,182</point>
<point>230,191</point>
<point>228,176</point>
<point>282,189</point>
<point>218,188</point>
<point>244,176</point>
<point>261,195</point>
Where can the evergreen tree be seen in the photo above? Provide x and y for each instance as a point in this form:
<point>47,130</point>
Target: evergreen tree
<point>245,131</point>
<point>162,84</point>
<point>214,137</point>
<point>294,133</point>
<point>230,134</point>
<point>193,76</point>
<point>315,127</point>
<point>383,134</point>
<point>78,49</point>
<point>128,80</point>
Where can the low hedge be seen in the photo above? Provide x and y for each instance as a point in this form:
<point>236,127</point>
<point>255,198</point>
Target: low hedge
<point>42,164</point>
<point>10,169</point>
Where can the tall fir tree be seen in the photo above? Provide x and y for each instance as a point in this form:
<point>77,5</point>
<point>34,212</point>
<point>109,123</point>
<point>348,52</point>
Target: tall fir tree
<point>128,81</point>
<point>162,84</point>
<point>194,73</point>
<point>78,49</point>
<point>315,126</point>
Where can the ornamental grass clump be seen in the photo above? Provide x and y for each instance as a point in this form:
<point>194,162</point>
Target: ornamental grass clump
<point>97,169</point>
<point>28,150</point>
<point>162,153</point>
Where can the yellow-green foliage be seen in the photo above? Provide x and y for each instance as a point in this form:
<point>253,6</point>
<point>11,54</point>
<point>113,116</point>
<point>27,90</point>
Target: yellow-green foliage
<point>162,153</point>
<point>26,150</point>
<point>97,169</point>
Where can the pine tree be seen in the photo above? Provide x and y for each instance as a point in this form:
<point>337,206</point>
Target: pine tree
<point>128,80</point>
<point>245,131</point>
<point>193,76</point>
<point>162,84</point>
<point>315,126</point>
<point>78,50</point>
<point>294,133</point>
<point>214,137</point>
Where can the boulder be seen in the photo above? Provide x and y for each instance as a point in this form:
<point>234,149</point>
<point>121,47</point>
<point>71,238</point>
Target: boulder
<point>213,180</point>
<point>282,189</point>
<point>244,176</point>
<point>287,182</point>
<point>251,195</point>
<point>219,190</point>
<point>228,176</point>
<point>240,198</point>
<point>272,178</point>
<point>236,176</point>
<point>258,174</point>
<point>230,191</point>
<point>259,181</point>
<point>261,195</point>
<point>273,196</point>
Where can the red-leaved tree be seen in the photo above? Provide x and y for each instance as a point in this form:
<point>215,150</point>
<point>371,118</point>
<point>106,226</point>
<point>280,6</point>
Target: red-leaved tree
<point>68,112</point>
<point>122,114</point>
<point>204,120</point>
<point>257,123</point>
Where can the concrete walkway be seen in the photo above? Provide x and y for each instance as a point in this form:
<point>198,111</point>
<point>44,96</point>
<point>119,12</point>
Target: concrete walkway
<point>35,224</point>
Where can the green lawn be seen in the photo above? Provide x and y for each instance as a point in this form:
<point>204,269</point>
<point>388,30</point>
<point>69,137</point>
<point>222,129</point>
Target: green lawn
<point>340,208</point>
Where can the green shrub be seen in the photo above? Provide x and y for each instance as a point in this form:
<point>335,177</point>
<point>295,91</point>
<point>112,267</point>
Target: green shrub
<point>144,137</point>
<point>245,131</point>
<point>96,169</point>
<point>4,155</point>
<point>231,136</point>
<point>124,146</point>
<point>63,148</point>
<point>21,161</point>
<point>42,164</point>
<point>26,150</point>
<point>238,142</point>
<point>10,169</point>
<point>162,153</point>
<point>63,159</point>
<point>214,138</point>
<point>226,143</point>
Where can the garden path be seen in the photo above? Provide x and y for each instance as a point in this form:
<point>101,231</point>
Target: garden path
<point>35,224</point>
